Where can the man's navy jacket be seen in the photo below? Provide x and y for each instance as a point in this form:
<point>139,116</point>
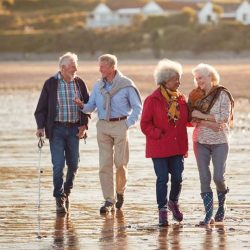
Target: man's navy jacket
<point>45,112</point>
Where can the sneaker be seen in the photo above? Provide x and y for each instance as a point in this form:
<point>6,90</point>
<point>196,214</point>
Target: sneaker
<point>107,207</point>
<point>173,206</point>
<point>163,217</point>
<point>60,205</point>
<point>120,200</point>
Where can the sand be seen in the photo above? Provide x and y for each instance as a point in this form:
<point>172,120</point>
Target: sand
<point>136,225</point>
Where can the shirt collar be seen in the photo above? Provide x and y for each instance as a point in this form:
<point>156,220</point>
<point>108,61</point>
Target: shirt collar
<point>106,81</point>
<point>59,77</point>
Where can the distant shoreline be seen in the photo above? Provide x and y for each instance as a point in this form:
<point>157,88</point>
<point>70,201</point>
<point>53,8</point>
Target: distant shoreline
<point>132,55</point>
<point>29,75</point>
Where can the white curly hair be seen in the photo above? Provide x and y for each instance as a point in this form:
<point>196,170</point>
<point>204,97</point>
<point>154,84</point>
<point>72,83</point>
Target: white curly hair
<point>165,70</point>
<point>207,70</point>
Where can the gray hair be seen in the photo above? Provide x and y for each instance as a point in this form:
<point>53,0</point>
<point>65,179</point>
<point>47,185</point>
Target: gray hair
<point>110,59</point>
<point>165,70</point>
<point>66,58</point>
<point>207,70</point>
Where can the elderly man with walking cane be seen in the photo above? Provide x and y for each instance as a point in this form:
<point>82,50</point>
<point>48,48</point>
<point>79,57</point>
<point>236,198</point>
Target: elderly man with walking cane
<point>59,118</point>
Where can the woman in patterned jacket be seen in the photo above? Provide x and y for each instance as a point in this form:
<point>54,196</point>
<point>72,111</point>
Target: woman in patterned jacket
<point>211,108</point>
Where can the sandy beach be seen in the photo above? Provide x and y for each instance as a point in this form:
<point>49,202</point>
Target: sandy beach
<point>24,226</point>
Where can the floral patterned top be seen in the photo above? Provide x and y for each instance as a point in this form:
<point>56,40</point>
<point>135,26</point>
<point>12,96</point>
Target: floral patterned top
<point>221,111</point>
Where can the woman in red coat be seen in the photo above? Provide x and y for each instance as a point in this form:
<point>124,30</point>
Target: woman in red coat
<point>164,120</point>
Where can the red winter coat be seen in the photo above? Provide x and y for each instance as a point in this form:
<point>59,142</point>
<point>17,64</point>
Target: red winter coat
<point>163,139</point>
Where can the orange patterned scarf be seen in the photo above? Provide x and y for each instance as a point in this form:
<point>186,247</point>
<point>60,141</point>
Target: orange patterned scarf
<point>172,99</point>
<point>199,100</point>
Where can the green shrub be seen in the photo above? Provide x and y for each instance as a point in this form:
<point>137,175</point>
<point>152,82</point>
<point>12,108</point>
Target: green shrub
<point>220,37</point>
<point>178,38</point>
<point>6,21</point>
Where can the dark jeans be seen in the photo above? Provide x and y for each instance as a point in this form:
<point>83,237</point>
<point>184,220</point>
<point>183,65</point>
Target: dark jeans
<point>64,146</point>
<point>174,166</point>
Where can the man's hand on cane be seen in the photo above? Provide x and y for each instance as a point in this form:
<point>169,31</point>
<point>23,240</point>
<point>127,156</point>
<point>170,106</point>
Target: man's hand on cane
<point>82,134</point>
<point>40,132</point>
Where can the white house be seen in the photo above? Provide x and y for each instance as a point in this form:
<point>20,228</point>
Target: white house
<point>230,11</point>
<point>125,16</point>
<point>243,13</point>
<point>101,16</point>
<point>207,14</point>
<point>106,15</point>
<point>152,8</point>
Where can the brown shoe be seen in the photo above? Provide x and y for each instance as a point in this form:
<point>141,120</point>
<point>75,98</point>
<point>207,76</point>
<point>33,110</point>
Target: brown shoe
<point>107,207</point>
<point>60,205</point>
<point>120,200</point>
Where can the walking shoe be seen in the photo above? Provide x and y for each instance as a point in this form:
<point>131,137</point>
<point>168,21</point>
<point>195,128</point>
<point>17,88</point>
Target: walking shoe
<point>107,207</point>
<point>120,200</point>
<point>173,206</point>
<point>163,217</point>
<point>60,205</point>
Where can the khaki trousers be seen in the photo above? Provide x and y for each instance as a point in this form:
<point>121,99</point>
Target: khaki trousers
<point>112,138</point>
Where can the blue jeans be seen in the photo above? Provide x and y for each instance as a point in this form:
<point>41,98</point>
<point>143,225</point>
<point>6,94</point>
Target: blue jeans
<point>64,145</point>
<point>173,165</point>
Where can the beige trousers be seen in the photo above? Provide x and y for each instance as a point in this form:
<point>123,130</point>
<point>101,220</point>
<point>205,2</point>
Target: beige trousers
<point>112,138</point>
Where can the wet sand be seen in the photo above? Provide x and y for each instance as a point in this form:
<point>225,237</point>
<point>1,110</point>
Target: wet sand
<point>24,226</point>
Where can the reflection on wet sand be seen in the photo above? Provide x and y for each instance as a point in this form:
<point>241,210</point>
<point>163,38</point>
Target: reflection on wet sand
<point>215,237</point>
<point>163,238</point>
<point>65,235</point>
<point>169,237</point>
<point>222,236</point>
<point>133,228</point>
<point>114,230</point>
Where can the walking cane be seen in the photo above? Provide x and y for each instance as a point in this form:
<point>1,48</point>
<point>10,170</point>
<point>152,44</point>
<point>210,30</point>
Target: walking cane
<point>40,171</point>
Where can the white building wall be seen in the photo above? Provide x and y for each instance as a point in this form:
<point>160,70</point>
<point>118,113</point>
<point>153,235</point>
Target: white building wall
<point>152,8</point>
<point>207,15</point>
<point>101,16</point>
<point>243,13</point>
